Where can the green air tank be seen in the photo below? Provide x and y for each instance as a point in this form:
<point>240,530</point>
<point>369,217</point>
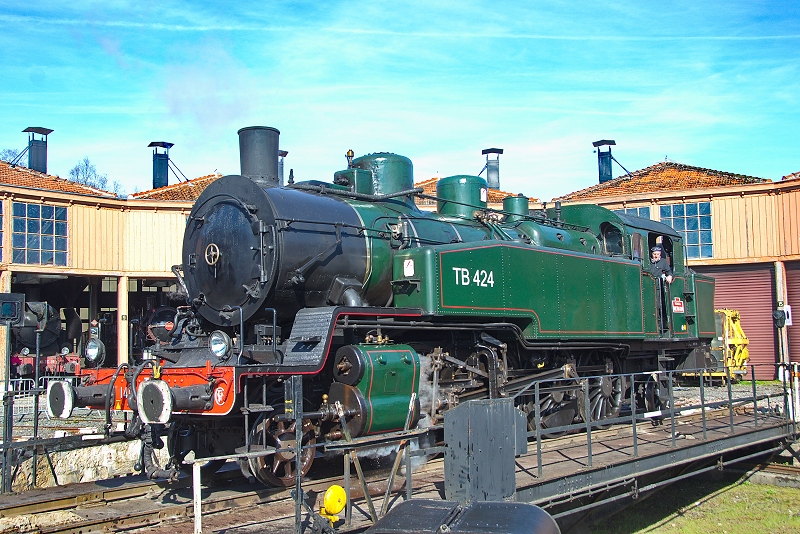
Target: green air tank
<point>461,195</point>
<point>515,206</point>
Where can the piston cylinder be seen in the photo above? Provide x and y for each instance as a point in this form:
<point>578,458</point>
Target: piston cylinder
<point>375,382</point>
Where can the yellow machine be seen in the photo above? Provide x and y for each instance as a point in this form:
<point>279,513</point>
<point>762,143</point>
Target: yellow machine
<point>728,348</point>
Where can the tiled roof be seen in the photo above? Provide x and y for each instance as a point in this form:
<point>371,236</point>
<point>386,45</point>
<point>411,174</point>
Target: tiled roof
<point>429,188</point>
<point>793,176</point>
<point>189,191</point>
<point>184,191</point>
<point>25,177</point>
<point>664,176</point>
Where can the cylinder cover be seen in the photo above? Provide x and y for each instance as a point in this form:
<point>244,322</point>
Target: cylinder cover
<point>377,385</point>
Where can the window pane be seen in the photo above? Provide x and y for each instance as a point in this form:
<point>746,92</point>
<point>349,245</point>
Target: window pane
<point>33,226</point>
<point>33,211</point>
<point>33,241</point>
<point>705,208</point>
<point>47,242</point>
<point>61,214</point>
<point>61,258</point>
<point>61,243</point>
<point>47,257</point>
<point>705,222</point>
<point>666,211</point>
<point>677,210</point>
<point>692,238</point>
<point>19,255</point>
<point>47,212</point>
<point>692,251</point>
<point>47,227</point>
<point>33,256</point>
<point>18,240</point>
<point>61,228</point>
<point>19,224</point>
<point>691,223</point>
<point>706,251</point>
<point>705,237</point>
<point>644,212</point>
<point>691,209</point>
<point>679,224</point>
<point>19,209</point>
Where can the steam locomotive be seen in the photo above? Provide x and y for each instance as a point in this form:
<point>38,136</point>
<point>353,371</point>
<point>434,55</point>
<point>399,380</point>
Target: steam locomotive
<point>41,324</point>
<point>375,302</point>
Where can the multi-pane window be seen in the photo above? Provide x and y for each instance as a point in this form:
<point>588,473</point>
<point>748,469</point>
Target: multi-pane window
<point>39,234</point>
<point>693,221</point>
<point>643,212</point>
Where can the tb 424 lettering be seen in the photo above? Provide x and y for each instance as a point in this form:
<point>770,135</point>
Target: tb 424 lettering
<point>478,277</point>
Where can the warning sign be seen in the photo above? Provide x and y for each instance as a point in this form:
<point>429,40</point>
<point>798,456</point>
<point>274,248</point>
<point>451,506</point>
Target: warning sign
<point>677,305</point>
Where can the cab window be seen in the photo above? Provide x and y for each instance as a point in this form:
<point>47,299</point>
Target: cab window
<point>612,239</point>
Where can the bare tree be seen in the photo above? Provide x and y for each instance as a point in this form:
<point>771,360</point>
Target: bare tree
<point>85,173</point>
<point>9,154</point>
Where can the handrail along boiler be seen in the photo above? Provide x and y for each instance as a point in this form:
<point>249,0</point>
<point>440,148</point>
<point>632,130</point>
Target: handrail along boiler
<point>371,300</point>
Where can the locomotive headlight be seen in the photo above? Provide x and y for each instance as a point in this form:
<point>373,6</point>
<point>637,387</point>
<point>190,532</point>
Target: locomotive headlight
<point>219,343</point>
<point>64,351</point>
<point>95,352</point>
<point>25,351</point>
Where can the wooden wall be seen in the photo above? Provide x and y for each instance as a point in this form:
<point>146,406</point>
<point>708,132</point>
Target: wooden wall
<point>107,236</point>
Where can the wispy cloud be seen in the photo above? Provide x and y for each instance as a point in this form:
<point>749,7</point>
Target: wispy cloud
<point>204,28</point>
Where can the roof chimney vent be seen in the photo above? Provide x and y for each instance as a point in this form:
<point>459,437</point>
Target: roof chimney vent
<point>160,163</point>
<point>37,148</point>
<point>258,154</point>
<point>492,167</point>
<point>604,159</point>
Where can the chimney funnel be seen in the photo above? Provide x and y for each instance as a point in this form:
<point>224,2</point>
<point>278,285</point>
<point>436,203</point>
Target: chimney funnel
<point>37,148</point>
<point>604,159</point>
<point>160,163</point>
<point>258,154</point>
<point>492,167</point>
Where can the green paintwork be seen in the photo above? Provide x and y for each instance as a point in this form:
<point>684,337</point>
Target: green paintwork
<point>553,294</point>
<point>676,305</point>
<point>359,179</point>
<point>515,207</point>
<point>391,173</point>
<point>578,277</point>
<point>559,237</point>
<point>461,195</point>
<point>704,296</point>
<point>391,375</point>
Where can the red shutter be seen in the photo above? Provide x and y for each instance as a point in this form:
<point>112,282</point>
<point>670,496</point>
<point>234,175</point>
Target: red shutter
<point>750,289</point>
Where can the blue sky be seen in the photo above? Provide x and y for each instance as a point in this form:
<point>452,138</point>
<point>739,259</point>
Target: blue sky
<point>710,84</point>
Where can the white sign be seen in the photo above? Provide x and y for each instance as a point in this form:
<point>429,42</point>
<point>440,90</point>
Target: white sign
<point>408,268</point>
<point>788,311</point>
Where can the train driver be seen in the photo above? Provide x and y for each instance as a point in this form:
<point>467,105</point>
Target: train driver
<point>659,265</point>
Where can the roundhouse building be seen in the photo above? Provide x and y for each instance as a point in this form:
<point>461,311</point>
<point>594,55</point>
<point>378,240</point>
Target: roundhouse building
<point>740,229</point>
